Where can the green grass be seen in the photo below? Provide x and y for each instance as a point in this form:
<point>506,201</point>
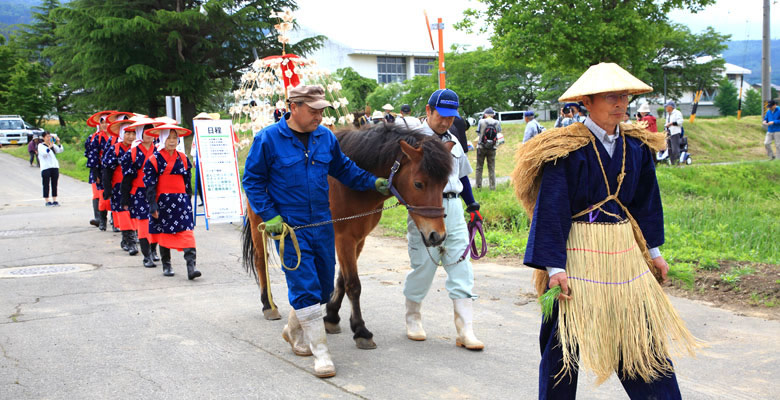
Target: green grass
<point>72,160</point>
<point>709,140</point>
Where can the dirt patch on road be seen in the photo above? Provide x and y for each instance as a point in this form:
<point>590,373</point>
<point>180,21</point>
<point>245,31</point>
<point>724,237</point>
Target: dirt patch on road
<point>747,288</point>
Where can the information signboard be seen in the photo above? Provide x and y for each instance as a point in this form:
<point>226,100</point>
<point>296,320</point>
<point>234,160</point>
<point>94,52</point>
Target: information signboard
<point>218,170</point>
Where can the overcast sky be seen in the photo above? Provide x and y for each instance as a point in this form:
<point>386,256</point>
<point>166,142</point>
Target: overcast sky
<point>404,22</point>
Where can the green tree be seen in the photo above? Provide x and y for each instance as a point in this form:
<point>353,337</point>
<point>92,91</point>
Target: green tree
<point>752,103</point>
<point>565,38</point>
<point>129,55</point>
<point>390,93</point>
<point>27,92</point>
<point>355,87</point>
<point>726,99</point>
<point>37,37</point>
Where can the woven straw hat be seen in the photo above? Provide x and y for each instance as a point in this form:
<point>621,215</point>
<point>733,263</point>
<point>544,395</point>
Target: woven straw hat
<point>602,78</point>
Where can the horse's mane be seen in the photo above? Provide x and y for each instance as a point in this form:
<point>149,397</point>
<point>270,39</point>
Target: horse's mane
<point>376,147</point>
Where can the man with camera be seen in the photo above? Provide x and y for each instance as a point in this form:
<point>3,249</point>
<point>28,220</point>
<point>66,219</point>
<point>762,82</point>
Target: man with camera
<point>487,142</point>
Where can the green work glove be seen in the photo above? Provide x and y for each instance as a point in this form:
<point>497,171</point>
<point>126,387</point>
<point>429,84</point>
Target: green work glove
<point>275,225</point>
<point>382,186</point>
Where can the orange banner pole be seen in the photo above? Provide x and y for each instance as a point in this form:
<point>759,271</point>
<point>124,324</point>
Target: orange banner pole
<point>442,73</point>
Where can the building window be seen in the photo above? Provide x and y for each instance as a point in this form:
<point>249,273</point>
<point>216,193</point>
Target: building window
<point>423,66</point>
<point>391,69</point>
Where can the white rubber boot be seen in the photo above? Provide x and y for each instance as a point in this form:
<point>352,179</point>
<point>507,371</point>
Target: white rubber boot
<point>414,328</point>
<point>314,334</point>
<point>463,323</point>
<point>293,334</point>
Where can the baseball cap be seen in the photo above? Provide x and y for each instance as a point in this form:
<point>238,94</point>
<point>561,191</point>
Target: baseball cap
<point>406,108</point>
<point>771,103</point>
<point>528,113</point>
<point>311,95</point>
<point>445,101</point>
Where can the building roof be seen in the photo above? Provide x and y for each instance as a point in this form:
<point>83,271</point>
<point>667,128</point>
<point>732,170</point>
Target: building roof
<point>729,69</point>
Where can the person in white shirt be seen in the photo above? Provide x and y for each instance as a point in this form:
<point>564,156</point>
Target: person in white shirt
<point>50,168</point>
<point>405,118</point>
<point>674,123</point>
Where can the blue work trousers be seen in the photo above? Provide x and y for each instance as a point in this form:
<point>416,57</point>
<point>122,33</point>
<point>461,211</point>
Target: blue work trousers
<point>312,282</point>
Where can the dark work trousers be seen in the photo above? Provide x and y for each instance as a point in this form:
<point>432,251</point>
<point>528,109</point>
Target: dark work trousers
<point>490,154</point>
<point>50,175</point>
<point>664,388</point>
<point>34,157</point>
<point>674,149</point>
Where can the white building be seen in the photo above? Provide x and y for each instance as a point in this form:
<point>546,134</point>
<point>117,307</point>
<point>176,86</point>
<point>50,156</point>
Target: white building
<point>733,73</point>
<point>383,62</point>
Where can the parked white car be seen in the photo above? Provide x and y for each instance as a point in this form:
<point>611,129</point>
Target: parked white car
<point>13,130</point>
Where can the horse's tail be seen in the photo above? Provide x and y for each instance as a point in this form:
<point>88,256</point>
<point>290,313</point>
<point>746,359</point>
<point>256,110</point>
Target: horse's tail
<point>248,250</point>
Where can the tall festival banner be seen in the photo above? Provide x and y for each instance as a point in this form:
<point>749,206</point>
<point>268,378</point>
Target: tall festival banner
<point>218,170</point>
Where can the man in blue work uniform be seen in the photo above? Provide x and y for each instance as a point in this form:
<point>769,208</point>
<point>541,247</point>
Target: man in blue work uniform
<point>772,122</point>
<point>286,181</point>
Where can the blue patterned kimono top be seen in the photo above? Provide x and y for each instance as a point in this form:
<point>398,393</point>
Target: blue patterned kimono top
<point>133,166</point>
<point>170,176</point>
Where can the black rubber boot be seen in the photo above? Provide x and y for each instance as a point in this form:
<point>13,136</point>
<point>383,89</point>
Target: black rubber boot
<point>102,222</point>
<point>125,244</point>
<point>189,256</point>
<point>132,249</point>
<point>144,244</point>
<point>166,261</point>
<point>153,247</point>
<point>96,220</point>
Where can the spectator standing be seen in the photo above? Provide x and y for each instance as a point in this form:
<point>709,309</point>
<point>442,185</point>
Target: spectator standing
<point>772,123</point>
<point>674,123</point>
<point>377,117</point>
<point>406,118</point>
<point>459,129</point>
<point>566,115</point>
<point>487,142</point>
<point>389,112</point>
<point>32,148</point>
<point>644,115</point>
<point>50,167</point>
<point>532,127</point>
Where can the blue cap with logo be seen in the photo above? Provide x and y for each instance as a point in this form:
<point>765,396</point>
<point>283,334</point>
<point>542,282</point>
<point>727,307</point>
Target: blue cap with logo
<point>529,113</point>
<point>445,101</point>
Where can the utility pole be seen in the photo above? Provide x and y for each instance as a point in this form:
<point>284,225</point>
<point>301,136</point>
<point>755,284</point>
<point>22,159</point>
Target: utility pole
<point>766,87</point>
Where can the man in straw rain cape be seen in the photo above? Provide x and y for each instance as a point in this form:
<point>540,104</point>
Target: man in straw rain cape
<point>596,227</point>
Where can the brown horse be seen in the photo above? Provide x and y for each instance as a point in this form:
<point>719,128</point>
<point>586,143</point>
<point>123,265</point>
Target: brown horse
<point>425,164</point>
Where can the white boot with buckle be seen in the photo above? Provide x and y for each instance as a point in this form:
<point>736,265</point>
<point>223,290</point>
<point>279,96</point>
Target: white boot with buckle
<point>314,334</point>
<point>464,312</point>
<point>414,328</point>
<point>293,334</point>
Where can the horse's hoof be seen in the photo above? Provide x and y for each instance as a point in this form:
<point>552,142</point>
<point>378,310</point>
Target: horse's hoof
<point>365,344</point>
<point>332,328</point>
<point>272,314</point>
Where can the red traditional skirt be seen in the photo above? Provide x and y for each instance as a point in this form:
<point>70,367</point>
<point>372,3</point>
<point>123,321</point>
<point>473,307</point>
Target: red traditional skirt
<point>142,227</point>
<point>103,205</point>
<point>122,220</point>
<point>178,241</point>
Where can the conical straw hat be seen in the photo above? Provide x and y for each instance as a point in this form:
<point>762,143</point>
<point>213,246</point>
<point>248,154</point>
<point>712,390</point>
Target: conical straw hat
<point>602,78</point>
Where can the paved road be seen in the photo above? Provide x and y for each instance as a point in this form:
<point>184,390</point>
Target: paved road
<point>122,331</point>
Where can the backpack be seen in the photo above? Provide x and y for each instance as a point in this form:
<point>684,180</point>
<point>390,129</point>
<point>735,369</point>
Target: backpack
<point>489,137</point>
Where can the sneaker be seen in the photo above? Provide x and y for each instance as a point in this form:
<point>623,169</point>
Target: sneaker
<point>49,204</point>
<point>55,204</point>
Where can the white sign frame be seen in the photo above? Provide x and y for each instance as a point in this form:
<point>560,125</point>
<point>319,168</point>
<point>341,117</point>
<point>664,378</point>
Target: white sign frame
<point>217,164</point>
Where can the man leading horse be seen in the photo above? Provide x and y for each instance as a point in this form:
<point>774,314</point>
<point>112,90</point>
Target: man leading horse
<point>286,182</point>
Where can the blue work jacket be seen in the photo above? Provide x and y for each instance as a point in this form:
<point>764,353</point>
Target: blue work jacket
<point>282,177</point>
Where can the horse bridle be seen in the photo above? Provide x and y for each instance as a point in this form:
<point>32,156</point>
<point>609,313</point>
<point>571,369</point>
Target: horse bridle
<point>423,211</point>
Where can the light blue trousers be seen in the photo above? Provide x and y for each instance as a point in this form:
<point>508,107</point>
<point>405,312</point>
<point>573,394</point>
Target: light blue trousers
<point>460,277</point>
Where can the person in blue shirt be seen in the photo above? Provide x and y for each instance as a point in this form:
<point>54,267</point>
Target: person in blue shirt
<point>286,182</point>
<point>772,122</point>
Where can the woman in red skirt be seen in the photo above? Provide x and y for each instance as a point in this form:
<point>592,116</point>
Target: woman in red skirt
<point>112,176</point>
<point>167,176</point>
<point>134,190</point>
